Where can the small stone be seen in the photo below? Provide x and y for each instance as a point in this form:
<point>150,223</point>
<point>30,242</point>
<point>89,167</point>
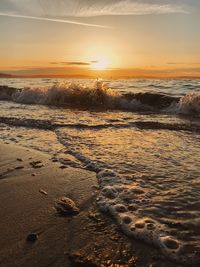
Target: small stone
<point>66,206</point>
<point>36,164</point>
<point>32,237</point>
<point>19,159</point>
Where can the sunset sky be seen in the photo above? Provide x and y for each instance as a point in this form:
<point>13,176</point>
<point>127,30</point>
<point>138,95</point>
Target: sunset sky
<point>100,37</point>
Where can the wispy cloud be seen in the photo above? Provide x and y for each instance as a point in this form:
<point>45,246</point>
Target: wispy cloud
<point>72,63</point>
<point>126,7</point>
<point>61,9</point>
<point>175,63</point>
<point>182,63</point>
<point>54,20</point>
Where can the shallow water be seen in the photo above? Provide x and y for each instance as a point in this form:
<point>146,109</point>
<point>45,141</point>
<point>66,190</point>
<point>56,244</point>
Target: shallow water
<point>146,160</point>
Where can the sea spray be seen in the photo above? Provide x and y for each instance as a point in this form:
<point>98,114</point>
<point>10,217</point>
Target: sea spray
<point>98,95</point>
<point>67,93</point>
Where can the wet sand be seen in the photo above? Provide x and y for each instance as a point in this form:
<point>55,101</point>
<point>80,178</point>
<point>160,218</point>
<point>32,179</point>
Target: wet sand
<point>30,184</point>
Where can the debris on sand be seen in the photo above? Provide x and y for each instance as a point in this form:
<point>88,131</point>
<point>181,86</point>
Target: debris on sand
<point>43,192</point>
<point>36,164</point>
<point>66,206</point>
<point>32,237</point>
<point>80,260</point>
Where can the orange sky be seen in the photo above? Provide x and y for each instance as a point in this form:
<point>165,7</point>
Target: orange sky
<point>121,38</point>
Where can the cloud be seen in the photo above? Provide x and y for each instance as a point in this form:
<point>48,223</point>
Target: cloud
<point>195,63</point>
<point>175,63</point>
<point>72,63</point>
<point>126,7</point>
<point>60,9</point>
<point>182,63</point>
<point>54,20</point>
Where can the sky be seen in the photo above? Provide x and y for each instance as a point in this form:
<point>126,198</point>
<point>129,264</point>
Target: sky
<point>111,38</point>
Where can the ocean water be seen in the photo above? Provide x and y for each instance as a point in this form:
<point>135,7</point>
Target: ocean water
<point>141,137</point>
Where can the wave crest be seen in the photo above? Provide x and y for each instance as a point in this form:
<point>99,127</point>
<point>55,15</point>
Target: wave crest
<point>99,95</point>
<point>190,104</point>
<point>60,94</point>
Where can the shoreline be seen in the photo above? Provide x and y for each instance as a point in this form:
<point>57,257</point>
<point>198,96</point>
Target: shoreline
<point>27,205</point>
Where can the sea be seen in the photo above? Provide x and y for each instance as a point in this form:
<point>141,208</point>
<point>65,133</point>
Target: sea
<point>140,136</point>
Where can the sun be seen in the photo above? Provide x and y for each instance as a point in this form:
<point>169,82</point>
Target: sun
<point>101,57</point>
<point>100,63</point>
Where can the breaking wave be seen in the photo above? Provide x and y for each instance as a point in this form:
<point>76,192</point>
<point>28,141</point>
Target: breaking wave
<point>99,96</point>
<point>188,104</point>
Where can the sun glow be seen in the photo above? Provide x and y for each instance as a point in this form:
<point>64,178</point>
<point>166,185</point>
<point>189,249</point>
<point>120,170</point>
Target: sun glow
<point>100,64</point>
<point>101,57</point>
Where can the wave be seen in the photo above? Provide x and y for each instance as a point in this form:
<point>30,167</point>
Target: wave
<point>99,96</point>
<point>188,104</point>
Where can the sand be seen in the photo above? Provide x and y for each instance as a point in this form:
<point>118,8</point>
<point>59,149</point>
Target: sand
<point>28,193</point>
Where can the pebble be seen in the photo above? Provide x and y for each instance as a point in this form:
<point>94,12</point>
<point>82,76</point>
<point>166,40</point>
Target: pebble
<point>66,206</point>
<point>32,237</point>
<point>36,164</point>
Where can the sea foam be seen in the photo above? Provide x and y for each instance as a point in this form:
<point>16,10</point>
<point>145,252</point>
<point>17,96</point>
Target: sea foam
<point>124,199</point>
<point>99,95</point>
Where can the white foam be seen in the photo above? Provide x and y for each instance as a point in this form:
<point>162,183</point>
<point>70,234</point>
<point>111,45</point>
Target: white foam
<point>115,198</point>
<point>64,93</point>
<point>188,104</point>
<point>97,94</point>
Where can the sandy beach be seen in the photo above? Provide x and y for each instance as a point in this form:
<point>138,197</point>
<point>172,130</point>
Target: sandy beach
<point>99,133</point>
<point>27,206</point>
